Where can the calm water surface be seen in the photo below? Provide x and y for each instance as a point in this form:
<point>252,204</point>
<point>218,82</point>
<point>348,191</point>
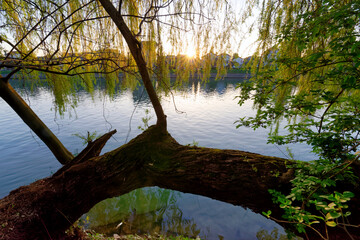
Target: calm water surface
<point>209,114</point>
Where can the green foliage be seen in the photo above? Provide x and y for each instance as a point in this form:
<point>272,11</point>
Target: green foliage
<point>96,236</point>
<point>88,138</point>
<point>312,188</point>
<point>145,120</point>
<point>273,235</point>
<point>307,73</point>
<point>193,144</point>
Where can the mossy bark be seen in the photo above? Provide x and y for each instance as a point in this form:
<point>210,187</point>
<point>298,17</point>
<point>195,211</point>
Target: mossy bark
<point>46,208</point>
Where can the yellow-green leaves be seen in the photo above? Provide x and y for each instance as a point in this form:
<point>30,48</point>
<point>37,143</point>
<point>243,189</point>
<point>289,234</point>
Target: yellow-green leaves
<point>77,38</point>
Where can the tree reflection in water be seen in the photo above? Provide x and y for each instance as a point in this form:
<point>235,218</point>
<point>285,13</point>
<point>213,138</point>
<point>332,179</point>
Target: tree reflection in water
<point>143,211</point>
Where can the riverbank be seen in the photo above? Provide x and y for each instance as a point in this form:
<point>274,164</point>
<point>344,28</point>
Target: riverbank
<point>92,235</point>
<point>78,233</point>
<point>97,236</point>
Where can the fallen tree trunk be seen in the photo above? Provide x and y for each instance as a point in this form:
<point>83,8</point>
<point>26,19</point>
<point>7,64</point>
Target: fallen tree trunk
<point>46,208</point>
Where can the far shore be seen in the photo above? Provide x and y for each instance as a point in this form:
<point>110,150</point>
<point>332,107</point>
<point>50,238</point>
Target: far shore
<point>213,75</point>
<point>172,75</point>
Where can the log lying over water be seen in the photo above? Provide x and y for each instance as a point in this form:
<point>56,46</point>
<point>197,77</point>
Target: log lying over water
<point>46,208</point>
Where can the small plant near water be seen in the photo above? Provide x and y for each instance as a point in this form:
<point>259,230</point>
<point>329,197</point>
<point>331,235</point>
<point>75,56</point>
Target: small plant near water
<point>89,137</point>
<point>145,120</point>
<point>193,144</point>
<point>97,236</point>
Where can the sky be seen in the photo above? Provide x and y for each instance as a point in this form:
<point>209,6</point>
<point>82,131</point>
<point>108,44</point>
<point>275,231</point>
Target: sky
<point>243,42</point>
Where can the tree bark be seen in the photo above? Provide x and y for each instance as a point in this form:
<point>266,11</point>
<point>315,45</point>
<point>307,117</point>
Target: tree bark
<point>46,208</point>
<point>33,121</point>
<point>135,49</point>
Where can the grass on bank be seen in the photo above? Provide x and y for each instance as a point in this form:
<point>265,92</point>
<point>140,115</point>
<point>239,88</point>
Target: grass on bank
<point>98,236</point>
<point>78,233</point>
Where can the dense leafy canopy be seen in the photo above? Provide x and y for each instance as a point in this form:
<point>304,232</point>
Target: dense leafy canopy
<point>310,75</point>
<point>307,72</point>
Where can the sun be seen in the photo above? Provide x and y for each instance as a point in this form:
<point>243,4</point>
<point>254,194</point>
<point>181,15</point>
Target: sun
<point>190,52</point>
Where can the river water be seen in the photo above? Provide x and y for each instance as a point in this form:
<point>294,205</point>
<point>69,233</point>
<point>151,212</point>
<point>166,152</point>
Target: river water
<point>208,113</point>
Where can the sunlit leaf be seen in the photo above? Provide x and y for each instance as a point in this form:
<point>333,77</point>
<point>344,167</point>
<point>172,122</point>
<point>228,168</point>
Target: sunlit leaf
<point>331,223</point>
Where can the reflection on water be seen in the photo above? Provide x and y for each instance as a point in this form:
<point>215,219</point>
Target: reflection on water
<point>210,112</point>
<point>143,211</point>
<point>160,211</point>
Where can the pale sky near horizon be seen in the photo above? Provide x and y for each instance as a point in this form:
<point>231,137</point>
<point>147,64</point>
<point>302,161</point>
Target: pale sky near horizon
<point>244,45</point>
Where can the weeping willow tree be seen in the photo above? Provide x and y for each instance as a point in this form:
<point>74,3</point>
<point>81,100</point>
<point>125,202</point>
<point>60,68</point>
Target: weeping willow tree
<point>307,60</point>
<point>307,72</point>
<point>72,43</point>
<point>306,68</point>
